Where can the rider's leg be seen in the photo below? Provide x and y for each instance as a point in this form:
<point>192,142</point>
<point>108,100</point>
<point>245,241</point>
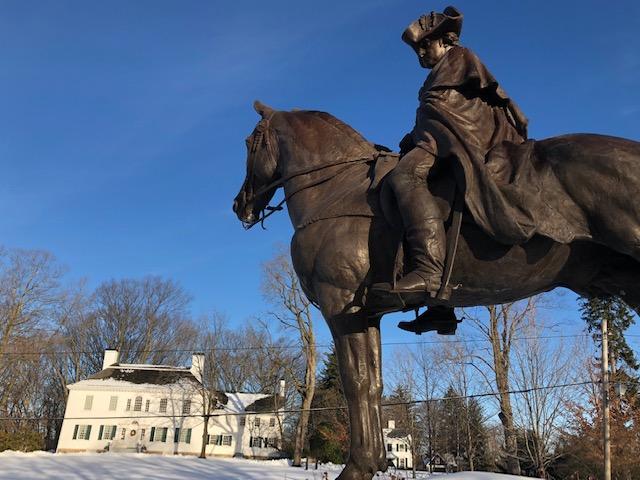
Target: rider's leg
<point>422,221</point>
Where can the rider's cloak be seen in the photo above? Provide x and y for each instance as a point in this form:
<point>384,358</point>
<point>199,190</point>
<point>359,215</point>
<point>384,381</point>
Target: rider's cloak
<point>465,116</point>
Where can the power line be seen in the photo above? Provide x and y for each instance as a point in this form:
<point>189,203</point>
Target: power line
<point>288,347</point>
<point>322,409</point>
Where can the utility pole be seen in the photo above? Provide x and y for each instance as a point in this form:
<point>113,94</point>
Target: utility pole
<point>606,427</point>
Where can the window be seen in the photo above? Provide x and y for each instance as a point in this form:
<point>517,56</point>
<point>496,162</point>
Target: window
<point>107,432</point>
<point>158,434</point>
<point>182,435</point>
<point>255,442</point>
<point>272,422</point>
<point>137,406</point>
<point>142,431</point>
<point>123,433</point>
<point>243,421</point>
<point>88,402</point>
<point>146,405</point>
<point>113,403</point>
<point>219,440</point>
<point>401,460</point>
<point>271,442</point>
<point>256,422</point>
<point>186,407</point>
<point>128,404</point>
<point>389,447</point>
<point>163,405</point>
<point>82,432</point>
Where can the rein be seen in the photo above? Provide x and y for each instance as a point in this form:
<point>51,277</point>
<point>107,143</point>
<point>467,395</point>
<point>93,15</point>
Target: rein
<point>263,128</point>
<point>305,171</point>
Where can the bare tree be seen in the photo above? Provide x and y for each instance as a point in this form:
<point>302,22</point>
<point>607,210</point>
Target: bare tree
<point>29,292</point>
<point>538,364</point>
<point>428,384</point>
<point>146,320</point>
<point>293,310</point>
<point>505,322</point>
<point>406,389</point>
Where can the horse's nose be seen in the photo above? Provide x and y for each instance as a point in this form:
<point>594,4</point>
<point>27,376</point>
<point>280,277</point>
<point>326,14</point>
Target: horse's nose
<point>235,206</point>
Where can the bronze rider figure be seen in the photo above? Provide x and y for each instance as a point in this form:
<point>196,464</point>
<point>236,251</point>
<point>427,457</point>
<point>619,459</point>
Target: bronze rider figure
<point>461,105</point>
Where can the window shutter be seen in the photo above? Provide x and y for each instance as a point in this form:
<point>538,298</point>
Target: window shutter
<point>88,435</point>
<point>176,435</point>
<point>113,432</point>
<point>153,433</point>
<point>188,435</point>
<point>100,432</point>
<point>75,432</point>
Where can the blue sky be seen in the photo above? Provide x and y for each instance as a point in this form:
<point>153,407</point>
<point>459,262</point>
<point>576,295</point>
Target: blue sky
<point>122,123</point>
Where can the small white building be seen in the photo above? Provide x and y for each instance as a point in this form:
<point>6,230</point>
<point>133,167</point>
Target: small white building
<point>159,409</point>
<point>398,446</point>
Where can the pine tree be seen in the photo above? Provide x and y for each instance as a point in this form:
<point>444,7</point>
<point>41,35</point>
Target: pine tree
<point>329,429</point>
<point>619,319</point>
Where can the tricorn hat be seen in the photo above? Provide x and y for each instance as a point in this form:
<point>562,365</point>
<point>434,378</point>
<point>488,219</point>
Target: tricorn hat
<point>433,25</point>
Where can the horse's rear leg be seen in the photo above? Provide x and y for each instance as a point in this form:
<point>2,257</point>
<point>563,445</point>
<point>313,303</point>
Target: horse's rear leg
<point>357,341</point>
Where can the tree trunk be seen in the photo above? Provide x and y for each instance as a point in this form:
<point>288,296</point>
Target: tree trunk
<point>205,434</point>
<point>307,398</point>
<point>501,352</point>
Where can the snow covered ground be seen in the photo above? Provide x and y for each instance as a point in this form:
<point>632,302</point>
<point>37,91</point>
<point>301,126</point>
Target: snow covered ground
<point>44,466</point>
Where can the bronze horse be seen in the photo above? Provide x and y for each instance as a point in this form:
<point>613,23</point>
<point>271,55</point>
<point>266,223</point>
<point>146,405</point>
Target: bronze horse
<point>343,244</point>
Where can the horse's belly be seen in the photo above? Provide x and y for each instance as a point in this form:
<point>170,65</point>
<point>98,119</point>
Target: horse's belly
<point>486,272</point>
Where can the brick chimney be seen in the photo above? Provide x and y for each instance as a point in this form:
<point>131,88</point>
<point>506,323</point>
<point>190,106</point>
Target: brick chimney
<point>110,358</point>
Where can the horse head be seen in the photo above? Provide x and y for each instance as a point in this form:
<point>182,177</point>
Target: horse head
<point>260,183</point>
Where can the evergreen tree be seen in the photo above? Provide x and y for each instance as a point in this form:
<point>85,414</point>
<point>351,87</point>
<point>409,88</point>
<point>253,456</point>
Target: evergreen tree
<point>619,319</point>
<point>461,431</point>
<point>329,429</point>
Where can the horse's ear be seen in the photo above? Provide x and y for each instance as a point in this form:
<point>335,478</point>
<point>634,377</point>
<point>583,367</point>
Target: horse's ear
<point>263,110</point>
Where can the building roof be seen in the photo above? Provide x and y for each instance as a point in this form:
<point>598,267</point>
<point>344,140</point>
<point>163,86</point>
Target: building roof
<point>395,433</point>
<point>145,374</point>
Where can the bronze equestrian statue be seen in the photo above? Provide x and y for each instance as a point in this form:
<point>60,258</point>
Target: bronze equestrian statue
<point>534,215</point>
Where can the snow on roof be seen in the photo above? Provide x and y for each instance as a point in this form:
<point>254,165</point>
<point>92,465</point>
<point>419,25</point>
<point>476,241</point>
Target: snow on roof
<point>252,402</point>
<point>140,375</point>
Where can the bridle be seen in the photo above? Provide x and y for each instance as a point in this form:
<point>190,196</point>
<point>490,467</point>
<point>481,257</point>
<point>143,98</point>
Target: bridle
<point>265,134</point>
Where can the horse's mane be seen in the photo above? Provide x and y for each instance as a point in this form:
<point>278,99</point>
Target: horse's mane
<point>319,119</point>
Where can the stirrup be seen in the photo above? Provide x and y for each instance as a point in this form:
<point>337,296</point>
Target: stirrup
<point>426,284</point>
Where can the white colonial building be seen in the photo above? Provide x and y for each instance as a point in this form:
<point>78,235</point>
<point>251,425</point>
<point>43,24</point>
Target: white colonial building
<point>159,409</point>
<point>398,445</point>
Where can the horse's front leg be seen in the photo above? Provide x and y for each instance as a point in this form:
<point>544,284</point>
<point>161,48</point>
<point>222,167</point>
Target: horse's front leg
<point>357,344</point>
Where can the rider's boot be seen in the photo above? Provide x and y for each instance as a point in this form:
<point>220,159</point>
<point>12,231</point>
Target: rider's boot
<point>439,317</point>
<point>425,240</point>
